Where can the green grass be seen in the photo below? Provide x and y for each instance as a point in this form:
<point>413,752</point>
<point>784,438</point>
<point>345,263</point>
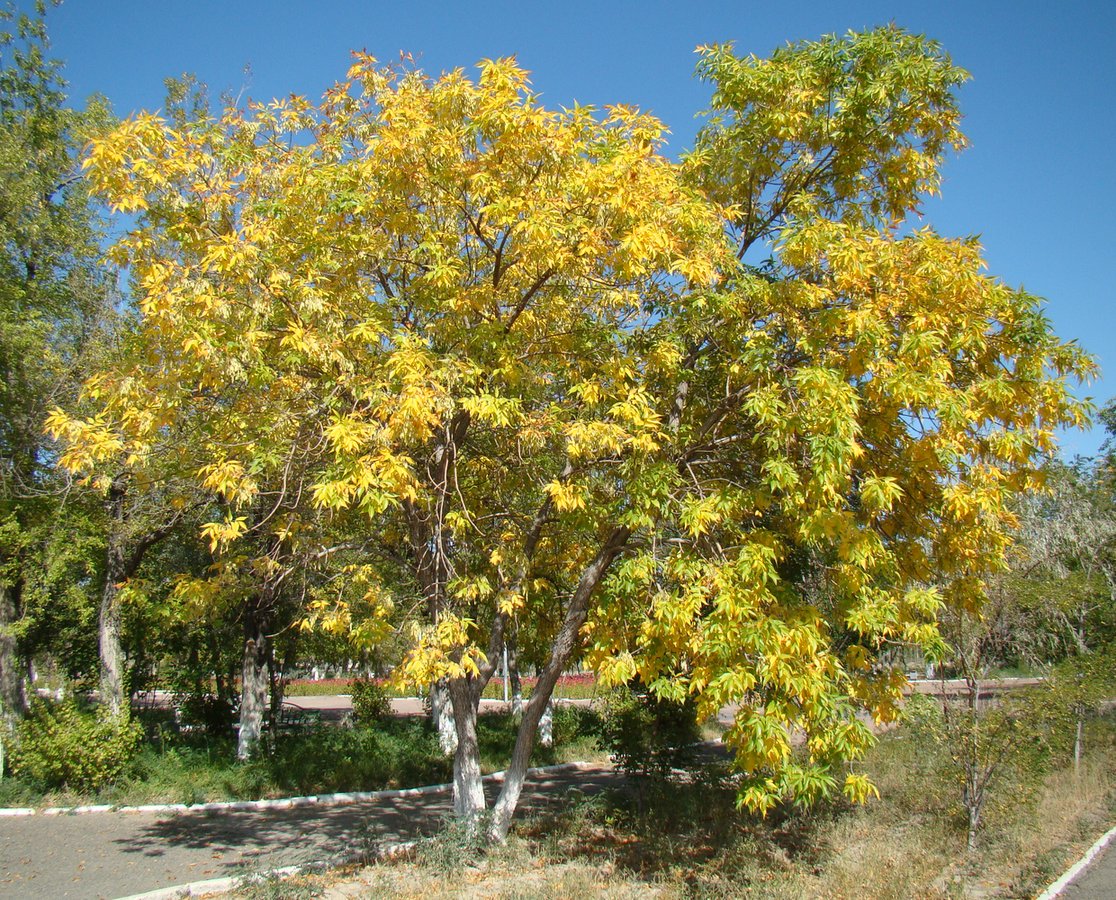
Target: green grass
<point>394,753</point>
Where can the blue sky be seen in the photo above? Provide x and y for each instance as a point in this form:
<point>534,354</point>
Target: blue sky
<point>1037,184</point>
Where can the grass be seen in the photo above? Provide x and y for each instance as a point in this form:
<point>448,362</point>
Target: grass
<point>687,840</point>
<point>394,753</point>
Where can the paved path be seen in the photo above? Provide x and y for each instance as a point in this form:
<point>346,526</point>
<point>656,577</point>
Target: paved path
<point>109,855</point>
<point>1098,881</point>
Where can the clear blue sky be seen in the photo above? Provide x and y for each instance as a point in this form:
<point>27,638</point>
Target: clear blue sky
<point>1037,183</point>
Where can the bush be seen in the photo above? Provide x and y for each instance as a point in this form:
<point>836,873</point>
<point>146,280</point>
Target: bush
<point>206,712</point>
<point>326,759</point>
<point>985,764</point>
<point>370,701</point>
<point>647,735</point>
<point>572,723</point>
<point>62,746</point>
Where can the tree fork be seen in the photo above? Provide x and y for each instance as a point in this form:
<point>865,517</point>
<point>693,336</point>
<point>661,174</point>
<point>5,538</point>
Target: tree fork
<point>564,644</point>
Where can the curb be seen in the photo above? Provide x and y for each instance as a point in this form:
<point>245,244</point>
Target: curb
<point>201,888</point>
<point>1078,867</point>
<point>215,885</point>
<point>339,799</point>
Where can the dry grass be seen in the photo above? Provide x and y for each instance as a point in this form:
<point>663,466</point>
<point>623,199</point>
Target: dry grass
<point>687,841</point>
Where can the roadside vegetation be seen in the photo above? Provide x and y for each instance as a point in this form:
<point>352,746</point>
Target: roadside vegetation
<point>687,839</point>
<point>198,767</point>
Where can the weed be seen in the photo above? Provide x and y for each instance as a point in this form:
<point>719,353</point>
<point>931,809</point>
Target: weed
<point>278,887</point>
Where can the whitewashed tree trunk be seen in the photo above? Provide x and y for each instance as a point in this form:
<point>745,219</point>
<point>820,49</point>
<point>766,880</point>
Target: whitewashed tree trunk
<point>254,687</point>
<point>546,725</point>
<point>561,651</point>
<point>112,657</point>
<point>442,716</point>
<point>468,789</point>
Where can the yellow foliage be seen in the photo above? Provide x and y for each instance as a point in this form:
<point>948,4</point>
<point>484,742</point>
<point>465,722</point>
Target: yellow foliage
<point>490,335</point>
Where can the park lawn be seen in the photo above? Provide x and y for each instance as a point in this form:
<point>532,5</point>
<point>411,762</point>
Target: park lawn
<point>321,759</point>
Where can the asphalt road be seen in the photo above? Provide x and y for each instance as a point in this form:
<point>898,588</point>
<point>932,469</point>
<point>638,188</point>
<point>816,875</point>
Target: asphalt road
<point>1098,881</point>
<point>111,855</point>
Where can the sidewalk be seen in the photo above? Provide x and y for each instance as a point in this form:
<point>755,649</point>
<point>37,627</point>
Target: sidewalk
<point>1097,881</point>
<point>110,855</point>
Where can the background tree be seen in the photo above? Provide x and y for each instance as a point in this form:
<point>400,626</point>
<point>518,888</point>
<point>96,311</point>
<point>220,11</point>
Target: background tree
<point>54,304</point>
<point>1050,611</point>
<point>1067,587</point>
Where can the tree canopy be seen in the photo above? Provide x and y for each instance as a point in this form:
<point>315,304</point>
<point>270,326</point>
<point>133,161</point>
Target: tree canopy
<point>55,301</point>
<point>542,372</point>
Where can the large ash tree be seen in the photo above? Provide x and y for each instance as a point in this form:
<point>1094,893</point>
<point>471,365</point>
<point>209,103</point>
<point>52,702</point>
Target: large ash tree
<point>550,371</point>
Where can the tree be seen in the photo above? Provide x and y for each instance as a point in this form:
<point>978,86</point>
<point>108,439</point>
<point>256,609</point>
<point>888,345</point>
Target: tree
<point>518,343</point>
<point>1067,587</point>
<point>54,302</point>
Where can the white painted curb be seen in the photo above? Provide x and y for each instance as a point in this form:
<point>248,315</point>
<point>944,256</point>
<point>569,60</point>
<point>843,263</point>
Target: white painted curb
<point>224,885</point>
<point>341,799</point>
<point>1078,867</point>
<point>201,888</point>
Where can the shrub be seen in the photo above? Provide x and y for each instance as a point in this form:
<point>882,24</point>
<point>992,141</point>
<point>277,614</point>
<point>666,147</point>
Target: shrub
<point>326,759</point>
<point>370,701</point>
<point>206,712</point>
<point>62,746</point>
<point>647,735</point>
<point>985,761</point>
<point>574,722</point>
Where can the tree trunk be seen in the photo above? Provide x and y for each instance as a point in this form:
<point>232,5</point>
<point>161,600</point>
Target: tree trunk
<point>279,683</point>
<point>12,696</point>
<point>973,793</point>
<point>254,683</point>
<point>442,715</point>
<point>108,619</point>
<point>468,789</point>
<point>974,826</point>
<point>546,725</point>
<point>1079,740</point>
<point>561,651</point>
<point>108,631</point>
<point>512,673</point>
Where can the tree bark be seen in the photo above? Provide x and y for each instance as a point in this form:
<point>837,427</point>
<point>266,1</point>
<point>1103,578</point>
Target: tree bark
<point>468,789</point>
<point>546,725</point>
<point>279,680</point>
<point>442,715</point>
<point>254,683</point>
<point>1078,739</point>
<point>561,651</point>
<point>108,619</point>
<point>108,637</point>
<point>511,640</point>
<point>974,827</point>
<point>12,696</point>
